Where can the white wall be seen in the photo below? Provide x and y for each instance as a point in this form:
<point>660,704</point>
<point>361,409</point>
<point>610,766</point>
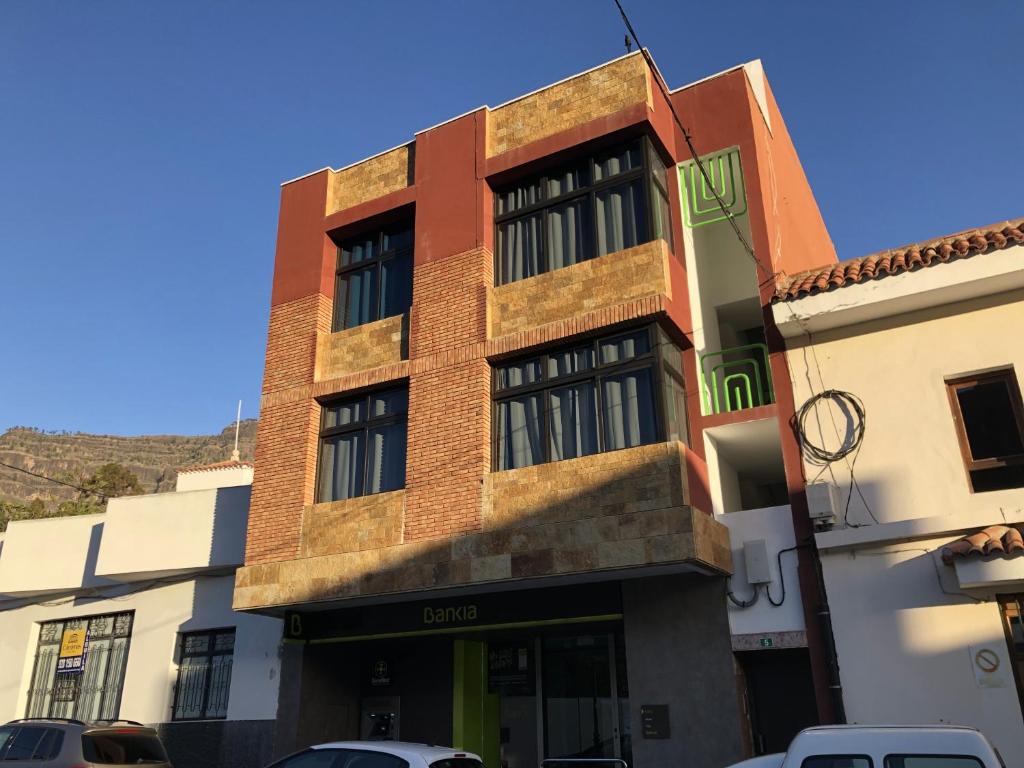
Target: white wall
<point>905,648</point>
<point>775,526</point>
<point>160,614</point>
<point>218,477</point>
<point>910,464</point>
<point>173,532</point>
<point>51,555</point>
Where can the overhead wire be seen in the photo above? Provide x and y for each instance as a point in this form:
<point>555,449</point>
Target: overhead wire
<point>102,496</point>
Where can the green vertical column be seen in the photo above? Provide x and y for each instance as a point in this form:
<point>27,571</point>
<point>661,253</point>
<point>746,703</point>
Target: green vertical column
<point>476,717</point>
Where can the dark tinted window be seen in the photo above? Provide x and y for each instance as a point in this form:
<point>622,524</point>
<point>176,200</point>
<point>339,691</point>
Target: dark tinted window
<point>313,758</point>
<point>49,746</point>
<point>126,747</point>
<point>360,759</point>
<point>457,762</point>
<point>837,761</point>
<point>374,277</point>
<point>931,761</point>
<point>6,735</point>
<point>989,419</point>
<point>23,746</point>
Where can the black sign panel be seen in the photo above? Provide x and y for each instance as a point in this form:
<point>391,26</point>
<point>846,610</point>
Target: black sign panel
<point>453,613</point>
<point>510,669</point>
<point>654,721</point>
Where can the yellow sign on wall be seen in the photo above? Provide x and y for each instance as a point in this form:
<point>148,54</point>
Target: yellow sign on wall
<point>72,643</point>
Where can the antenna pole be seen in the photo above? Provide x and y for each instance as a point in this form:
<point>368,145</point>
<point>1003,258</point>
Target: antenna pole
<point>235,455</point>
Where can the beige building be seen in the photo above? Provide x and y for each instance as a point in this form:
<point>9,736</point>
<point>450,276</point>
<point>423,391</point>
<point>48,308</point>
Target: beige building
<point>918,526</point>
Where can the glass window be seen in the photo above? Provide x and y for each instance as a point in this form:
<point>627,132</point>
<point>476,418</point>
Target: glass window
<point>374,277</point>
<point>360,759</point>
<point>585,209</point>
<point>520,426</point>
<point>620,218</point>
<point>932,761</point>
<point>591,397</point>
<point>836,761</point>
<point>989,421</point>
<point>313,758</point>
<point>363,445</point>
<point>628,410</point>
<point>204,675</point>
<point>23,745</point>
<point>573,421</point>
<point>125,747</point>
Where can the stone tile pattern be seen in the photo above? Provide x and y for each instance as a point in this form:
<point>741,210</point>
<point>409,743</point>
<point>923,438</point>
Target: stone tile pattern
<point>371,178</point>
<point>361,348</point>
<point>591,285</point>
<point>578,100</point>
<point>608,511</point>
<point>286,444</point>
<point>353,525</point>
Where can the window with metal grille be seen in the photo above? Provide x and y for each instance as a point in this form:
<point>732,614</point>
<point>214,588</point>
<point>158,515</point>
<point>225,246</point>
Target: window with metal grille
<point>81,680</point>
<point>204,675</point>
<point>374,276</point>
<point>609,201</point>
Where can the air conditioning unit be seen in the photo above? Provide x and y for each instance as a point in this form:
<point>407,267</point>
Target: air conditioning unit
<point>823,502</point>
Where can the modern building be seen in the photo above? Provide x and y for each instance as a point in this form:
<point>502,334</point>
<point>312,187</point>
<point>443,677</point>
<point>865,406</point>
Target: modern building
<point>127,615</point>
<point>920,526</point>
<point>524,426</point>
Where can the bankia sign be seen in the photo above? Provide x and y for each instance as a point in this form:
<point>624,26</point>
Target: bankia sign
<point>536,606</point>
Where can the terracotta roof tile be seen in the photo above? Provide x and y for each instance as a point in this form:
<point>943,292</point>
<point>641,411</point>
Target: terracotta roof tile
<point>909,258</point>
<point>215,465</point>
<point>1002,539</point>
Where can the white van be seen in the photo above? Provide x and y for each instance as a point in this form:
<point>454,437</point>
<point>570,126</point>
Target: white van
<point>884,746</point>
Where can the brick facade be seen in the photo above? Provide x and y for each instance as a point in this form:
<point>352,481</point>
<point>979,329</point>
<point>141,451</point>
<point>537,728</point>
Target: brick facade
<point>456,522</point>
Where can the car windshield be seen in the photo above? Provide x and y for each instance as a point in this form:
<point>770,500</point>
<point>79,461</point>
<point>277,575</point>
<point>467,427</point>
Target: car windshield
<point>127,747</point>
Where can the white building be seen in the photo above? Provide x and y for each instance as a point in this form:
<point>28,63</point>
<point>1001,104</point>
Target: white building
<point>927,625</point>
<point>148,585</point>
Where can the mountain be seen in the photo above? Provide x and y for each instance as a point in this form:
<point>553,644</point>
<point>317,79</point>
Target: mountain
<point>155,459</point>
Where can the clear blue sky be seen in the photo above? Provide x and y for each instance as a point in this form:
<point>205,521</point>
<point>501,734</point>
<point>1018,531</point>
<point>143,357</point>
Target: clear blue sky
<point>142,145</point>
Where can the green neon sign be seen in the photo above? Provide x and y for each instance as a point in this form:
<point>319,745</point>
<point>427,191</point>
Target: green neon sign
<point>700,205</point>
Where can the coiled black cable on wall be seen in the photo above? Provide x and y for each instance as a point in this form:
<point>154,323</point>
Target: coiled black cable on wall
<point>856,418</point>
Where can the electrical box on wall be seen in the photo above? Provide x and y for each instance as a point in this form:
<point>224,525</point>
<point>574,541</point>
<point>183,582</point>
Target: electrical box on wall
<point>755,558</point>
<point>822,502</point>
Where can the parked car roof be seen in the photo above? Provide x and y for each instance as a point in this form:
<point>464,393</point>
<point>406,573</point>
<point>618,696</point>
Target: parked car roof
<point>404,749</point>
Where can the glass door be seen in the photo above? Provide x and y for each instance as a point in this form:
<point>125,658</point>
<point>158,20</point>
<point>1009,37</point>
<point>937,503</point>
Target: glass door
<point>582,706</point>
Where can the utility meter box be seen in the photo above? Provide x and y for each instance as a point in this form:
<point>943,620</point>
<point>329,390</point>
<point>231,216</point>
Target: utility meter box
<point>755,558</point>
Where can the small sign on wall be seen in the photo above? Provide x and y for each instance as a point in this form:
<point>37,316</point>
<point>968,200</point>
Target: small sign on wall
<point>654,721</point>
<point>991,669</point>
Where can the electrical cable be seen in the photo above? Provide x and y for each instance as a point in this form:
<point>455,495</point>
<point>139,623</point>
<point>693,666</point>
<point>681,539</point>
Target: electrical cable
<point>739,603</point>
<point>782,576</point>
<point>54,480</point>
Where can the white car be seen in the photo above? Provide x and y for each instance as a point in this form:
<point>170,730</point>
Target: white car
<point>884,746</point>
<point>379,754</point>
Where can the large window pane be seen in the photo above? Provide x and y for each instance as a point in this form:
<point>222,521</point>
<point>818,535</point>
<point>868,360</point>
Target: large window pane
<point>628,410</point>
<point>396,285</point>
<point>620,218</point>
<point>398,239</point>
<point>519,246</point>
<point>573,421</point>
<point>341,467</point>
<point>355,295</point>
<point>519,433</point>
<point>389,403</point>
<point>386,468</point>
<point>566,233</point>
<point>564,182</point>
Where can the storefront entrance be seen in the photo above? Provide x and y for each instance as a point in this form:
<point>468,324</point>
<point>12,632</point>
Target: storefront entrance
<point>517,678</point>
<point>556,694</point>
